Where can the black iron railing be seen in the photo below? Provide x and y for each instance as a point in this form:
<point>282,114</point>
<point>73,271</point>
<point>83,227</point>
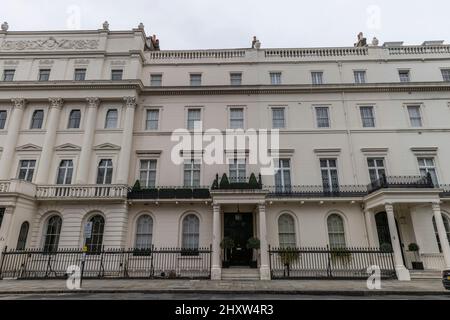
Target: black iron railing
<point>154,263</point>
<point>445,190</point>
<point>387,182</point>
<point>317,191</point>
<point>326,263</point>
<point>170,193</point>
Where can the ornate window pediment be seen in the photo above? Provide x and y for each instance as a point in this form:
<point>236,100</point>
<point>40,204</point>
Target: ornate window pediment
<point>29,147</point>
<point>68,147</point>
<point>107,146</point>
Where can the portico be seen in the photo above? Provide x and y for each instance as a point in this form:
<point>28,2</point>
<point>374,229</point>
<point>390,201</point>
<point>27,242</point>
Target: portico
<point>391,218</point>
<point>227,202</point>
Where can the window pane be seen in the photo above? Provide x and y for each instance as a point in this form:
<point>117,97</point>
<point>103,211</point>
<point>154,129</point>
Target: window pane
<point>415,116</point>
<point>111,119</point>
<point>74,119</point>
<point>278,118</point>
<point>80,74</point>
<point>196,79</point>
<point>8,75</point>
<point>191,228</point>
<point>275,78</point>
<point>194,118</point>
<point>322,115</point>
<point>52,234</point>
<point>37,119</point>
<point>360,76</point>
<point>152,119</point>
<point>3,115</point>
<point>156,80</point>
<point>404,76</point>
<point>237,118</point>
<point>95,242</point>
<point>44,74</point>
<point>116,75</point>
<point>367,117</point>
<point>236,79</point>
<point>144,232</point>
<point>23,235</point>
<point>317,78</point>
<point>446,75</point>
<point>286,231</point>
<point>336,232</point>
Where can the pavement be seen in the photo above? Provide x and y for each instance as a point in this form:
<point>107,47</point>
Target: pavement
<point>355,288</point>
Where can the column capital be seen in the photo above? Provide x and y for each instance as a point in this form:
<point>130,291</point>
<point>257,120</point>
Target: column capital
<point>216,206</point>
<point>56,102</point>
<point>262,206</point>
<point>436,206</point>
<point>93,102</point>
<point>130,102</point>
<point>389,206</point>
<point>19,103</point>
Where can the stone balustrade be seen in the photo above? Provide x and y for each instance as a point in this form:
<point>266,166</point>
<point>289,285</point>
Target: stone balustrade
<point>67,192</point>
<point>4,186</point>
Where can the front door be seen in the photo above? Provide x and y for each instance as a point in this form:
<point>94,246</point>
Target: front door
<point>239,227</point>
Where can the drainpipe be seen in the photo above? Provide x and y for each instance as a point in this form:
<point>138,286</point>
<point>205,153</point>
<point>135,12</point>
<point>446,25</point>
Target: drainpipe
<point>347,125</point>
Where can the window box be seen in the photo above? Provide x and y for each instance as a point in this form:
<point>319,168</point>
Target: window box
<point>201,194</point>
<point>184,193</point>
<point>167,193</point>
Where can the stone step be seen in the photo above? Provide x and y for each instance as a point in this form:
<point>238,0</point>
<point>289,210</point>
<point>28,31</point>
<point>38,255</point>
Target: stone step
<point>240,274</point>
<point>426,274</point>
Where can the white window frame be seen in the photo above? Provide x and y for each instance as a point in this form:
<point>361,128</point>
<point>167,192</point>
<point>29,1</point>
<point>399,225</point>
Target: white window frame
<point>329,168</point>
<point>280,170</point>
<point>376,167</point>
<point>426,167</point>
<point>192,165</point>
<point>445,73</point>
<point>152,80</point>
<point>284,232</point>
<point>149,235</point>
<point>106,126</point>
<point>193,74</point>
<point>69,119</point>
<point>402,71</point>
<point>79,69</point>
<point>314,78</point>
<point>112,167</point>
<point>419,107</point>
<point>66,170</point>
<point>360,108</point>
<point>5,124</point>
<point>315,109</point>
<point>276,78</point>
<point>230,120</point>
<point>237,165</point>
<point>191,108</point>
<point>195,234</point>
<point>148,170</point>
<point>343,232</point>
<point>5,72</point>
<point>147,112</point>
<point>274,108</point>
<point>32,118</point>
<point>117,70</point>
<point>40,74</point>
<point>357,76</point>
<point>231,78</point>
<point>27,169</point>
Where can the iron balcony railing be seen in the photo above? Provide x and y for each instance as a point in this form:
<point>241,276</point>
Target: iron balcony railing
<point>328,263</point>
<point>170,193</point>
<point>413,182</point>
<point>152,263</point>
<point>317,191</point>
<point>237,183</point>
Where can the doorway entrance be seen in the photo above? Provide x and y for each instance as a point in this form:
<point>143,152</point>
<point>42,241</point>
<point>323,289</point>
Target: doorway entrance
<point>239,227</point>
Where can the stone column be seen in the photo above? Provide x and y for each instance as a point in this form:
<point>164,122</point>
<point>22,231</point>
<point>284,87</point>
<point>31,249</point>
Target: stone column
<point>264,268</point>
<point>127,141</point>
<point>442,233</point>
<point>11,138</point>
<point>4,230</point>
<point>88,140</point>
<point>402,272</point>
<point>46,158</point>
<point>216,269</point>
<point>369,219</point>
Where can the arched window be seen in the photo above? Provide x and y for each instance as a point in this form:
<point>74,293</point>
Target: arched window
<point>37,119</point>
<point>447,230</point>
<point>144,232</point>
<point>23,235</point>
<point>111,119</point>
<point>286,231</point>
<point>52,232</point>
<point>336,231</point>
<point>191,232</point>
<point>65,172</point>
<point>74,119</point>
<point>384,234</point>
<point>95,242</point>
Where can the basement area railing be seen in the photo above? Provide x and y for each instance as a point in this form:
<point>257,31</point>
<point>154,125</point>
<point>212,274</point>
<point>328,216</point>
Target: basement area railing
<point>328,263</point>
<point>152,263</point>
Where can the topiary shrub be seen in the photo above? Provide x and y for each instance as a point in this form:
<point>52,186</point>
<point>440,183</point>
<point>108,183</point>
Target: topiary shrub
<point>137,186</point>
<point>224,182</point>
<point>253,182</point>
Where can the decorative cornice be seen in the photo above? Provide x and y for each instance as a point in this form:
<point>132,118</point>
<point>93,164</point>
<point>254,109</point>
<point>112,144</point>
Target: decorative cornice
<point>29,147</point>
<point>19,103</point>
<point>68,147</point>
<point>130,102</point>
<point>56,102</point>
<point>107,146</point>
<point>93,102</point>
<point>50,44</point>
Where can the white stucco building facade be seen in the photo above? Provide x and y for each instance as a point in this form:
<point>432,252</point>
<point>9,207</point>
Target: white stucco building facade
<point>85,114</point>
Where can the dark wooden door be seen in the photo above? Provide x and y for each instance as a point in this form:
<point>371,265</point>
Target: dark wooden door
<point>239,227</point>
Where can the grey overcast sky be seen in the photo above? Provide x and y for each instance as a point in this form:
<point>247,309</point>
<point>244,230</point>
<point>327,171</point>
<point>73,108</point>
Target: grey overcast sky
<point>195,24</point>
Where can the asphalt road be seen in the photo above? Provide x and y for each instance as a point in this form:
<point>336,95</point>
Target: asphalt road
<point>140,296</point>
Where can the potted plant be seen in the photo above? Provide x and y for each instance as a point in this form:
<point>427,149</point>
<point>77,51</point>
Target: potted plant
<point>287,257</point>
<point>226,244</point>
<point>224,182</point>
<point>341,254</point>
<point>417,265</point>
<point>254,244</point>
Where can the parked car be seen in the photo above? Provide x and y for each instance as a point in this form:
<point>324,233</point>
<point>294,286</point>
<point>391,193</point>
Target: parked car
<point>446,279</point>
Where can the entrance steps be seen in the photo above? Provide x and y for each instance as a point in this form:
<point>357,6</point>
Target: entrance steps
<point>425,274</point>
<point>241,274</point>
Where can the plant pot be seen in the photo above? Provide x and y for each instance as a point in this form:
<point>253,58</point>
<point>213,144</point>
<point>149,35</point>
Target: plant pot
<point>417,265</point>
<point>225,264</point>
<point>254,264</point>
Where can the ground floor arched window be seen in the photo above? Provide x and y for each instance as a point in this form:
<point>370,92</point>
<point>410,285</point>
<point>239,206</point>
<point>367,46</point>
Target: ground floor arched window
<point>52,233</point>
<point>191,232</point>
<point>286,231</point>
<point>94,244</point>
<point>144,232</point>
<point>23,235</point>
<point>384,234</point>
<point>336,231</point>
